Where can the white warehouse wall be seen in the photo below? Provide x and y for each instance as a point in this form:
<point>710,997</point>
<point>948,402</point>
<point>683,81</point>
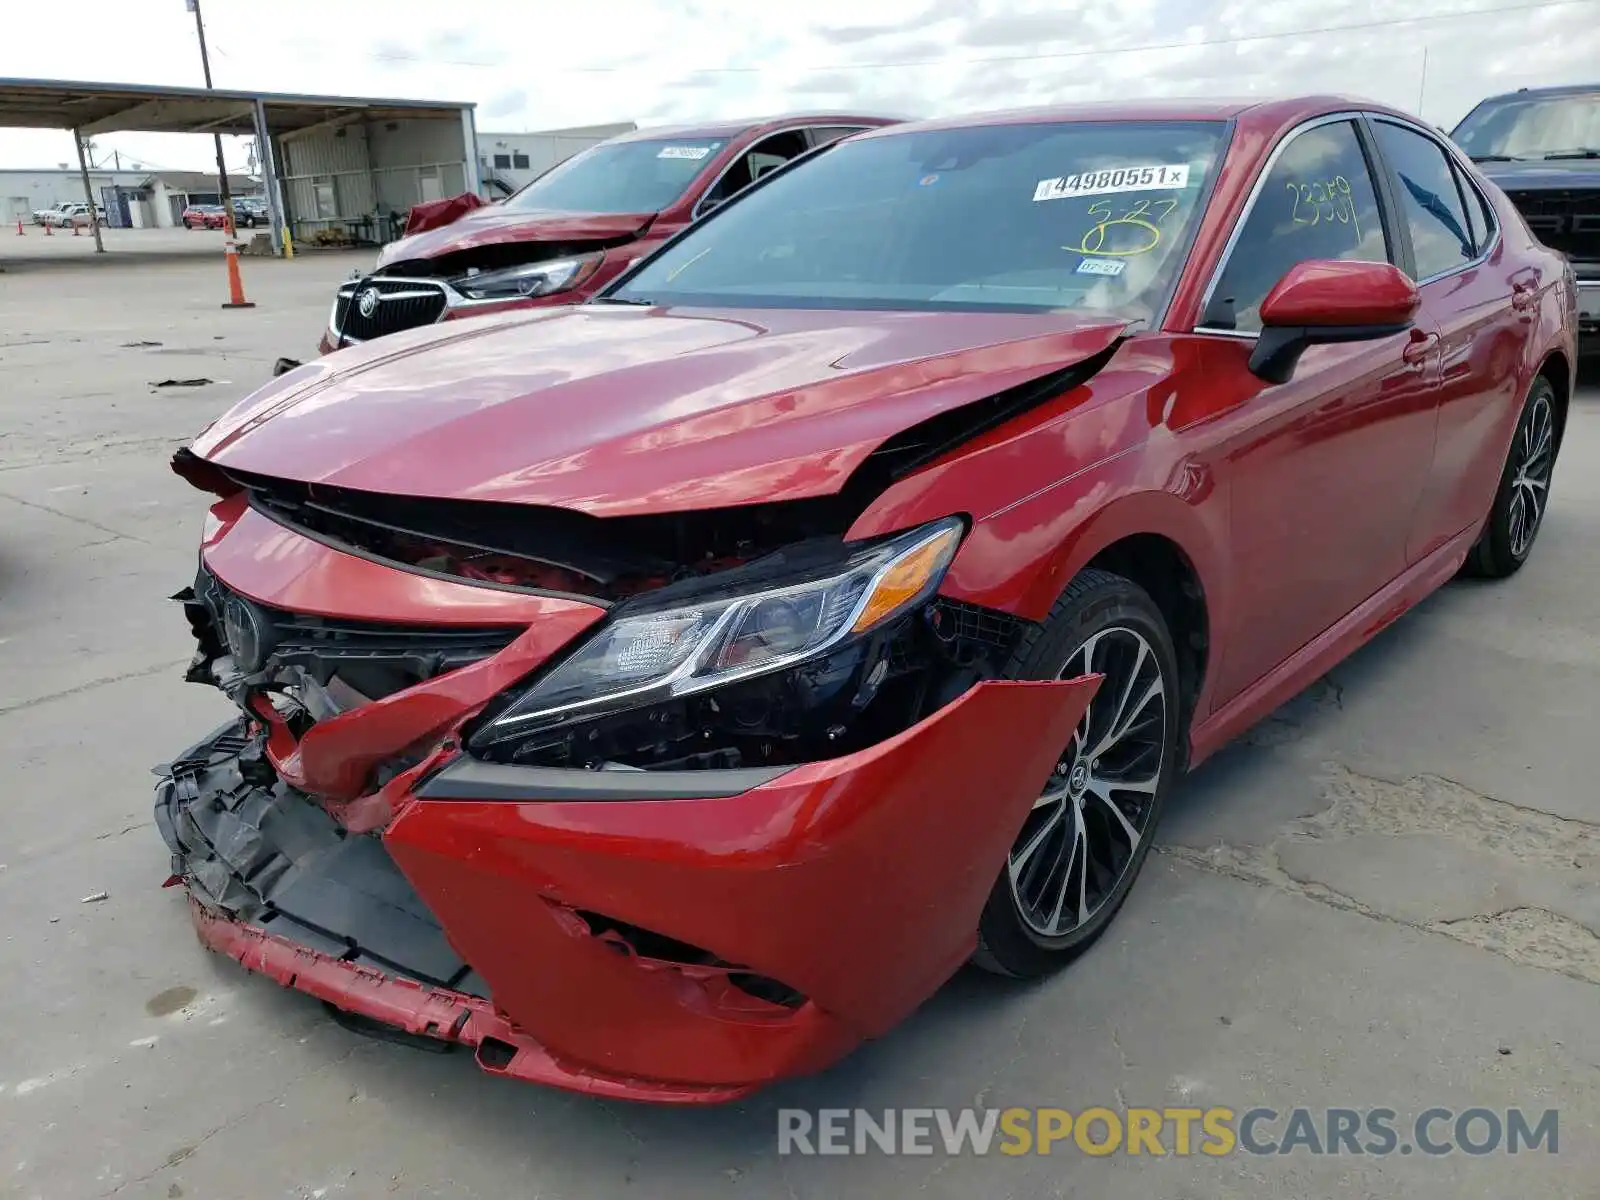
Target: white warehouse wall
<point>22,191</point>
<point>542,150</point>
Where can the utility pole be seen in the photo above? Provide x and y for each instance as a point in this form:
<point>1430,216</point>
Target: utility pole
<point>88,193</point>
<point>1422,87</point>
<point>222,167</point>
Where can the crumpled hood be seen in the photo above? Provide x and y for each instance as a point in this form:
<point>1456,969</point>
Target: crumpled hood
<point>611,409</point>
<point>494,225</point>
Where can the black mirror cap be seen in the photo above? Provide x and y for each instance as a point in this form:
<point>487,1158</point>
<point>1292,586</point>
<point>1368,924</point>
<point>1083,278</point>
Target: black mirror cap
<point>1279,347</point>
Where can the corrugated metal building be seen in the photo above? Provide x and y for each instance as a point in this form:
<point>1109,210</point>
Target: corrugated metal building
<point>377,169</point>
<point>508,161</point>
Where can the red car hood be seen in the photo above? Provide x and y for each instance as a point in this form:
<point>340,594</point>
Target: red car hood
<point>494,225</point>
<point>613,410</point>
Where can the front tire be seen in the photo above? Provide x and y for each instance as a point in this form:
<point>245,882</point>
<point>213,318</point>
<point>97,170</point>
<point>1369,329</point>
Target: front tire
<point>1088,835</point>
<point>1523,497</point>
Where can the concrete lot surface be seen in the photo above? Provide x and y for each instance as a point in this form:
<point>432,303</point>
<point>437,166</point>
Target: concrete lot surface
<point>1387,895</point>
<point>35,249</point>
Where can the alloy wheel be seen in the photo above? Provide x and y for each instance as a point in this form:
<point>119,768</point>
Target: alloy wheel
<point>1530,485</point>
<point>1086,828</point>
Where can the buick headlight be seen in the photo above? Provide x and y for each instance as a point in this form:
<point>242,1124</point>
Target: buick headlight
<point>530,279</point>
<point>649,653</point>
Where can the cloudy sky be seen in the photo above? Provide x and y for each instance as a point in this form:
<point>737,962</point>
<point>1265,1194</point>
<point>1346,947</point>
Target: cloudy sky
<point>541,64</point>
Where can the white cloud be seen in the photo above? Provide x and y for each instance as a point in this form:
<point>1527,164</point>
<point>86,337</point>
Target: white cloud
<point>542,65</point>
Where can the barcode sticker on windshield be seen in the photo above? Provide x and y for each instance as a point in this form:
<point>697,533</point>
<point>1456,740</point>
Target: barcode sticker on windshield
<point>1113,179</point>
<point>691,152</point>
<point>1101,266</point>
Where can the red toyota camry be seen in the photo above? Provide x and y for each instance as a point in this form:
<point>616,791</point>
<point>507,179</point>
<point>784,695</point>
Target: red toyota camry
<point>663,694</point>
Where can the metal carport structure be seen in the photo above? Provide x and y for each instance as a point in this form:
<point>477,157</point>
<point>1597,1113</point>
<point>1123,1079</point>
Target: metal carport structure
<point>325,160</point>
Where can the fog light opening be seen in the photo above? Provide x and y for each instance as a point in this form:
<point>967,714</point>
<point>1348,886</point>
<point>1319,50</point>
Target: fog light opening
<point>715,974</point>
<point>770,990</point>
<point>495,1055</point>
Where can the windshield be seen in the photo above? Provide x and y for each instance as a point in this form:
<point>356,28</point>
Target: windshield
<point>1534,127</point>
<point>1025,217</point>
<point>620,177</point>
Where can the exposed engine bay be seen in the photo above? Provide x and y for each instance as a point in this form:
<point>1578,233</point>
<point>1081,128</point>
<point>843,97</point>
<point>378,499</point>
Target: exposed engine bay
<point>542,549</point>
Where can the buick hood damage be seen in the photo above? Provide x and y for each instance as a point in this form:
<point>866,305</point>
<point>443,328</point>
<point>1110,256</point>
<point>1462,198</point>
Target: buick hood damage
<point>495,236</point>
<point>611,410</point>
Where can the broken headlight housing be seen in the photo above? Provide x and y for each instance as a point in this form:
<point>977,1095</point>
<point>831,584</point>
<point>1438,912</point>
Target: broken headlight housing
<point>529,279</point>
<point>724,669</point>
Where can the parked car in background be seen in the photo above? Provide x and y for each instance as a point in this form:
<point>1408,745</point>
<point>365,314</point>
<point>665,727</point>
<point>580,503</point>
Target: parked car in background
<point>41,215</point>
<point>665,693</point>
<point>67,215</point>
<point>1542,146</point>
<point>203,216</point>
<point>250,211</point>
<point>573,229</point>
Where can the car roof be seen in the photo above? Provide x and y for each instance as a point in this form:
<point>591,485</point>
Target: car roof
<point>1269,112</point>
<point>733,128</point>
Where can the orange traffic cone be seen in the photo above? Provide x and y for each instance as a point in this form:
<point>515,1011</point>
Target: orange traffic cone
<point>49,230</point>
<point>19,228</point>
<point>74,229</point>
<point>235,282</point>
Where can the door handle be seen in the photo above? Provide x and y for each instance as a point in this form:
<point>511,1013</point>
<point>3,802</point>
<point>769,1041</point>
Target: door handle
<point>1421,345</point>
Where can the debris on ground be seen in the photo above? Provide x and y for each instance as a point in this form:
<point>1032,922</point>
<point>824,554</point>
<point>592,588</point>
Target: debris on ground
<point>139,345</point>
<point>95,897</point>
<point>177,383</point>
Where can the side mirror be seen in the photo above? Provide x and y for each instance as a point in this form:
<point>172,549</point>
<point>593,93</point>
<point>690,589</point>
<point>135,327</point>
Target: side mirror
<point>1330,301</point>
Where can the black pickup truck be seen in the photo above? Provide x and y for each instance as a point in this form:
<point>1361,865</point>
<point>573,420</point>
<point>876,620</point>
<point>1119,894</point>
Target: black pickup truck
<point>1542,147</point>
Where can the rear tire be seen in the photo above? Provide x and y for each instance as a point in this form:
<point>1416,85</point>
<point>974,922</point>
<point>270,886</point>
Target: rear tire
<point>1523,497</point>
<point>1084,843</point>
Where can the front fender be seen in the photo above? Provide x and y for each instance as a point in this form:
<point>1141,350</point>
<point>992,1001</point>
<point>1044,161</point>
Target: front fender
<point>1040,515</point>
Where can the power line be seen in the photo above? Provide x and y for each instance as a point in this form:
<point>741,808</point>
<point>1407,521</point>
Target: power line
<point>1353,27</point>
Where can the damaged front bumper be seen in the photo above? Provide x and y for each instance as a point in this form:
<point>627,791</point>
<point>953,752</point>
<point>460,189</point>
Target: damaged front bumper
<point>677,950</point>
<point>677,936</point>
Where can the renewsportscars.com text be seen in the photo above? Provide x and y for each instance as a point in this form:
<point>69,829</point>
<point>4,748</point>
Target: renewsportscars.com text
<point>1100,1131</point>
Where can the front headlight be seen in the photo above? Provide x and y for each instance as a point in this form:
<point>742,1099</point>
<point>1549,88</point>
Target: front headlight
<point>647,654</point>
<point>530,279</point>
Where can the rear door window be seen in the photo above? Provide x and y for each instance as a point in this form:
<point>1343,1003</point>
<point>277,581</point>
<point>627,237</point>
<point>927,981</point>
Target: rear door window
<point>1441,233</point>
<point>1317,202</point>
<point>1480,217</point>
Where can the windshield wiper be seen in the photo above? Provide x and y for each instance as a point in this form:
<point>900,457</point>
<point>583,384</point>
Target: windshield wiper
<point>641,301</point>
<point>1577,152</point>
<point>1494,158</point>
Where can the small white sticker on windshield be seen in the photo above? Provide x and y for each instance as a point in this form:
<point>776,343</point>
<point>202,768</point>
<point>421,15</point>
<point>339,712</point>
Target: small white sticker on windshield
<point>1114,179</point>
<point>691,152</point>
<point>1101,266</point>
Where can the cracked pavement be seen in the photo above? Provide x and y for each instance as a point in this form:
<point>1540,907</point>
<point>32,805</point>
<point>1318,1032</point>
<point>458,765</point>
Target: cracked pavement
<point>1387,894</point>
